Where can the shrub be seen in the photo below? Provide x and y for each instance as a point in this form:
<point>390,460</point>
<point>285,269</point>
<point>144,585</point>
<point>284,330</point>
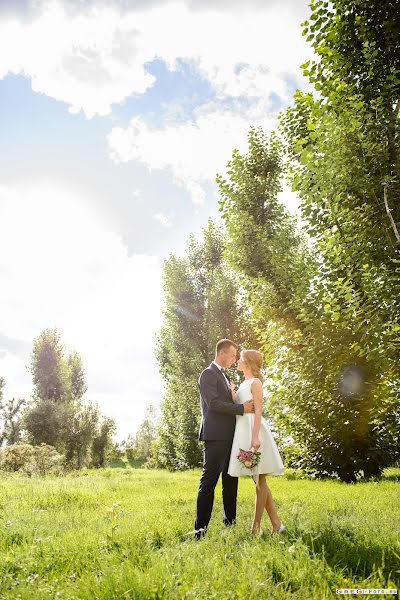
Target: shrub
<point>40,460</point>
<point>153,461</point>
<point>130,453</point>
<point>46,460</point>
<point>14,457</point>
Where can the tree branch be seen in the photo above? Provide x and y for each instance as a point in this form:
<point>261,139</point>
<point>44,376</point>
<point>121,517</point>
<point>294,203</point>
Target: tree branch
<point>396,232</point>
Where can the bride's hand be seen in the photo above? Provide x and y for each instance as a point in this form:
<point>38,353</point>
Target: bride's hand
<point>255,443</point>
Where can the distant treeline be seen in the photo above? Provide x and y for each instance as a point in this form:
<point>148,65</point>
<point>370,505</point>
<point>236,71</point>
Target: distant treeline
<point>56,420</point>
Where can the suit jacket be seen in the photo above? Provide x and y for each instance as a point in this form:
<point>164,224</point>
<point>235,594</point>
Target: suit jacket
<point>217,407</point>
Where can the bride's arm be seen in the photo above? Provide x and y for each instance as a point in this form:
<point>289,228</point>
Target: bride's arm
<point>257,392</point>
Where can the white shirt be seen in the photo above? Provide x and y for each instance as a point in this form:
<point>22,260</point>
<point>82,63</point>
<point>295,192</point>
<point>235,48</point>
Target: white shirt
<point>220,368</point>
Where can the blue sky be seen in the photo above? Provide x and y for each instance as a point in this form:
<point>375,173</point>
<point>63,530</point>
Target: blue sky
<point>114,119</point>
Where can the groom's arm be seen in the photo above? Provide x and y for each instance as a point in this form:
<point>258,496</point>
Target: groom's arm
<point>209,392</point>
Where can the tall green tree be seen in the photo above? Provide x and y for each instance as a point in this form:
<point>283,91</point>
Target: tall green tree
<point>141,443</point>
<point>263,243</point>
<point>76,377</point>
<point>58,415</point>
<point>202,305</point>
<point>48,367</point>
<point>102,441</point>
<point>327,392</point>
<point>344,148</point>
<point>43,418</point>
<point>44,422</point>
<point>79,428</point>
<point>10,414</point>
<point>273,260</point>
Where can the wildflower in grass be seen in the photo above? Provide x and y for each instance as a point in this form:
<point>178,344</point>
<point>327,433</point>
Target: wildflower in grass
<point>113,517</point>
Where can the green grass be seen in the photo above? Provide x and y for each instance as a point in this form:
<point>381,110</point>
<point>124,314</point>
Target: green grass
<point>58,538</point>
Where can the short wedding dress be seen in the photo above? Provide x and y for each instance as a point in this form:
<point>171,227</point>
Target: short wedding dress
<point>270,461</point>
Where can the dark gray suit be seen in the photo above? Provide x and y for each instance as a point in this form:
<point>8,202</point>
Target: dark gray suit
<point>216,430</point>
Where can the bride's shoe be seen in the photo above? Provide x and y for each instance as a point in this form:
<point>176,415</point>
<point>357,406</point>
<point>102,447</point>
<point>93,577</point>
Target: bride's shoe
<point>280,529</point>
<point>257,532</point>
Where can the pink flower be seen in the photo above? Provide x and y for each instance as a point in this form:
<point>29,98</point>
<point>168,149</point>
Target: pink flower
<point>248,458</point>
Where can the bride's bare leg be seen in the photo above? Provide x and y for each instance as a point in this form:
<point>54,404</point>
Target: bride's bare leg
<point>271,510</point>
<point>260,503</point>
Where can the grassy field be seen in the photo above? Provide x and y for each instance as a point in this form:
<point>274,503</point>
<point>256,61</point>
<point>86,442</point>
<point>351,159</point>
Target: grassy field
<point>119,533</point>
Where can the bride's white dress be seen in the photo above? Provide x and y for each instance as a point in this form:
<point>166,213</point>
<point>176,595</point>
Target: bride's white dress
<point>270,461</point>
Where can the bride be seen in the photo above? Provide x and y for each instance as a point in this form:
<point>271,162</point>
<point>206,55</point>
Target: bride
<point>252,433</point>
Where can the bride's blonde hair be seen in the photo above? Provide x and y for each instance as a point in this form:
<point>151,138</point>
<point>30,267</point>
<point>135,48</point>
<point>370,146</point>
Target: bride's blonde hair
<point>254,361</point>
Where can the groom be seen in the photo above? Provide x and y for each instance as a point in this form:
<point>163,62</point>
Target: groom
<point>216,430</point>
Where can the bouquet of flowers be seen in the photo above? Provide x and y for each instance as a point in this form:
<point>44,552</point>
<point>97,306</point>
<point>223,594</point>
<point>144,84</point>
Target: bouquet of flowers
<point>248,458</point>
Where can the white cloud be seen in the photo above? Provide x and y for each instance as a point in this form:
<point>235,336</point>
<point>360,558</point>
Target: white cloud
<point>164,220</point>
<point>88,60</point>
<point>60,266</point>
<point>13,369</point>
<point>194,152</point>
<point>96,57</point>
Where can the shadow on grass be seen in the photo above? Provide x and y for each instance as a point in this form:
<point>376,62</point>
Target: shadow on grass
<point>391,474</point>
<point>117,463</point>
<point>343,548</point>
<point>136,463</point>
<point>388,474</point>
<point>123,463</point>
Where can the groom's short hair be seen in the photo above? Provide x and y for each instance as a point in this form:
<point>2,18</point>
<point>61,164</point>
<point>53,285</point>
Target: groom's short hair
<point>224,345</point>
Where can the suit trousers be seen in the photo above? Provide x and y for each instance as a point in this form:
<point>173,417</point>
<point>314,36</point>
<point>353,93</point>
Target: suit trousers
<point>216,461</point>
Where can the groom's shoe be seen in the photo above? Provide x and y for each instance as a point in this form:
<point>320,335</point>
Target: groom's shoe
<point>199,533</point>
<point>228,523</point>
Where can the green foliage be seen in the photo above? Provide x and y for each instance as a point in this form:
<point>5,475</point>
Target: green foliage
<point>202,305</point>
<point>10,414</point>
<point>79,429</point>
<point>58,415</point>
<point>95,534</point>
<point>139,446</point>
<point>372,31</point>
<point>46,416</point>
<point>315,307</point>
<point>102,442</point>
<point>153,461</point>
<point>41,460</point>
<point>263,244</point>
<point>14,457</point>
<point>48,366</point>
<point>344,149</point>
<point>76,377</point>
<point>44,422</point>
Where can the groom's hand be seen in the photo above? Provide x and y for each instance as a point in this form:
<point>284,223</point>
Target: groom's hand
<point>248,407</point>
